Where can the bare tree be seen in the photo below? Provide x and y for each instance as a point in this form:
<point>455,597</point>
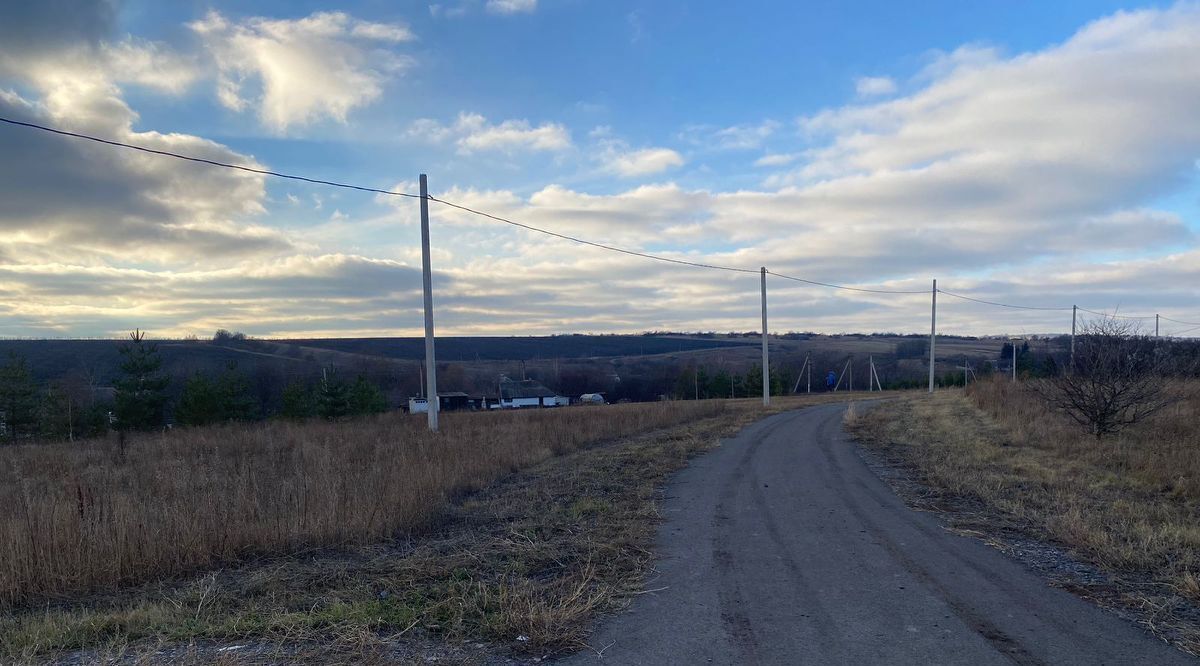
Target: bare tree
<point>1118,378</point>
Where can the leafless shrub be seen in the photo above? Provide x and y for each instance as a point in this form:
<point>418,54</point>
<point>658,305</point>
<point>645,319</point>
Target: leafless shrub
<point>1117,379</point>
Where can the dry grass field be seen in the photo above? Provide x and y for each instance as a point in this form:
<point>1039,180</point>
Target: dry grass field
<point>81,517</point>
<point>319,539</point>
<point>1129,504</point>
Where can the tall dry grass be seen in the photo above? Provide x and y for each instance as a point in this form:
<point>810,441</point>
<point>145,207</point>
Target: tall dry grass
<point>82,517</point>
<point>1160,454</point>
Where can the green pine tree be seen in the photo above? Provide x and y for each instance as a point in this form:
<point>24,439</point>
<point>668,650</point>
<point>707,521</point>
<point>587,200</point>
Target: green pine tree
<point>18,399</point>
<point>298,401</point>
<point>753,381</point>
<point>333,399</point>
<point>94,420</point>
<point>720,385</point>
<point>200,403</point>
<point>366,398</point>
<point>236,401</point>
<point>140,397</point>
<point>781,381</point>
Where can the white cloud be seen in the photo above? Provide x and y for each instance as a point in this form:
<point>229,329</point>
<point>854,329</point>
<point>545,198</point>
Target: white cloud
<point>338,291</point>
<point>71,200</point>
<point>643,162</point>
<point>511,6</point>
<point>472,132</point>
<point>1034,143</point>
<point>734,137</point>
<point>438,10</point>
<point>321,66</point>
<point>150,64</point>
<point>517,134</point>
<point>776,159</point>
<point>874,86</point>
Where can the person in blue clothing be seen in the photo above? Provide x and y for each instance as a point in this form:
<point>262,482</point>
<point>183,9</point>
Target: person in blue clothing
<point>830,380</point>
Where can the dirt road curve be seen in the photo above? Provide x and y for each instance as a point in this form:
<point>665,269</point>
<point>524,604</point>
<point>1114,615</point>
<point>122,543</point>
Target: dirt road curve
<point>782,547</point>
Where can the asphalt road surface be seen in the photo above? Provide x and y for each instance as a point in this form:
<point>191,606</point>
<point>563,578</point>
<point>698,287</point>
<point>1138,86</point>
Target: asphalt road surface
<point>783,547</point>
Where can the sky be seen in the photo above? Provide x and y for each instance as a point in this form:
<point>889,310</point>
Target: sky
<point>1030,153</point>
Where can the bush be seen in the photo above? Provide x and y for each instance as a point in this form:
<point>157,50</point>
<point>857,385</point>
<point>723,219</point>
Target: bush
<point>1116,379</point>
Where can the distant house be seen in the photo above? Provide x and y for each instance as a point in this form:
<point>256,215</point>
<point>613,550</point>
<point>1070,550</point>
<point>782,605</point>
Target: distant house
<point>418,406</point>
<point>522,393</point>
<point>448,401</point>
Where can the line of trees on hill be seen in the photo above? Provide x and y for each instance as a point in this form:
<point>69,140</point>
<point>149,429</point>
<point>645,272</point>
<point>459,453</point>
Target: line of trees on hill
<point>704,383</point>
<point>140,400</point>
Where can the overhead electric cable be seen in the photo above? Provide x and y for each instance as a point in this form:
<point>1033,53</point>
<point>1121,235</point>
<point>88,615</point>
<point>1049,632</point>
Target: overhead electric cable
<point>1114,315</point>
<point>1185,323</point>
<point>839,286</point>
<point>603,246</point>
<point>201,160</point>
<point>1002,305</point>
<point>1186,330</point>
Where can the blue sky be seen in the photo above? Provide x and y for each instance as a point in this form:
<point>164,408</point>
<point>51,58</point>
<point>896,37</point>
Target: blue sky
<point>1040,153</point>
<point>647,70</point>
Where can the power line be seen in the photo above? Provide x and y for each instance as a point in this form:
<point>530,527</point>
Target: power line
<point>839,286</point>
<point>1063,309</point>
<point>603,246</point>
<point>202,160</point>
<point>1002,305</point>
<point>657,257</point>
<point>1186,330</point>
<point>1185,323</point>
<point>1115,315</point>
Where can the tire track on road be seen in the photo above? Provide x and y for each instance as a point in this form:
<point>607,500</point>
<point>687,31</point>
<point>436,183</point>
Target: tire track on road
<point>936,536</point>
<point>1003,643</point>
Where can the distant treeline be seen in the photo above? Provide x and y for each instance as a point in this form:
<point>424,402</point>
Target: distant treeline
<point>140,398</point>
<point>79,389</point>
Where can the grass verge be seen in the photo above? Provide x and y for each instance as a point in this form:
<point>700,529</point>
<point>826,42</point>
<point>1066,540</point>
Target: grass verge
<point>522,565</point>
<point>1123,515</point>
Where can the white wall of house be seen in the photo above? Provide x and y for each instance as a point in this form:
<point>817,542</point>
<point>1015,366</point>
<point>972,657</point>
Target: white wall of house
<point>548,401</point>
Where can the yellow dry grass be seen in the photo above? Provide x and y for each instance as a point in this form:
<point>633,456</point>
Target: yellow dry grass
<point>81,517</point>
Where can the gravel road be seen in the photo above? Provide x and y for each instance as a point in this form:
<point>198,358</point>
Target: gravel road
<point>782,547</point>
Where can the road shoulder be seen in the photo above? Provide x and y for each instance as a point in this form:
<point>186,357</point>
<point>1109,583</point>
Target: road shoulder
<point>899,456</point>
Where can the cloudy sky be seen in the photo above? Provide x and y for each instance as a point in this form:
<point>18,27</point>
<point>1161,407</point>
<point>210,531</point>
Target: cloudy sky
<point>1045,154</point>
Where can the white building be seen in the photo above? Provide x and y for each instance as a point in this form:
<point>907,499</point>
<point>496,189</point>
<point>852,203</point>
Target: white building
<point>518,394</point>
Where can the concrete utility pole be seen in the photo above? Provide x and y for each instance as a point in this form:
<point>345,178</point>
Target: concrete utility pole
<point>766,366</point>
<point>933,336</point>
<point>431,400</point>
<point>1074,315</point>
<point>1014,369</point>
<point>1156,325</point>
